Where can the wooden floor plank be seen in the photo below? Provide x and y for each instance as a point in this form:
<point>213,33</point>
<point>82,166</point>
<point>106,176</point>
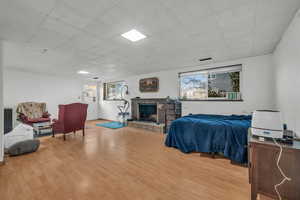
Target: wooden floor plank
<point>127,163</point>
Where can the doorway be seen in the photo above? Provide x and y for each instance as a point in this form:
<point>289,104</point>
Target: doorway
<point>90,96</point>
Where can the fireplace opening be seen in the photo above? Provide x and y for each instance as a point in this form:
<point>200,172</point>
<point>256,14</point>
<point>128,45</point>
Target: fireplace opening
<point>148,112</point>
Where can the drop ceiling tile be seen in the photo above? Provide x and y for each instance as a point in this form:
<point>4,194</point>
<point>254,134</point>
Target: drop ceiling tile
<point>264,42</point>
<point>100,50</point>
<point>263,46</point>
<point>231,35</point>
<point>220,54</point>
<point>18,20</point>
<point>206,40</point>
<point>272,30</point>
<point>191,56</point>
<point>146,12</point>
<point>99,29</point>
<point>117,15</point>
<point>11,32</point>
<point>277,8</point>
<point>268,34</point>
<point>272,19</point>
<point>221,5</point>
<point>48,39</point>
<point>241,18</point>
<point>117,21</point>
<point>239,53</point>
<point>110,60</point>
<point>245,43</point>
<point>91,8</point>
<point>189,11</point>
<point>204,25</point>
<point>85,55</point>
<point>33,58</point>
<point>84,41</point>
<point>56,25</point>
<point>44,6</point>
<point>70,15</point>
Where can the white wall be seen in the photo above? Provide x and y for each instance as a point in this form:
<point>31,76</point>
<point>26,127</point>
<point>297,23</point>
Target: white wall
<point>1,107</point>
<point>287,62</point>
<point>23,86</point>
<point>257,89</point>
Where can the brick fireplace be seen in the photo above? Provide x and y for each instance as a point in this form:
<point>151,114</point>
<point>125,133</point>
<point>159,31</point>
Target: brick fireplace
<point>147,112</point>
<point>155,114</point>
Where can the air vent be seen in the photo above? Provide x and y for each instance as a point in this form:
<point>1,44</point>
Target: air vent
<point>96,78</point>
<point>205,59</point>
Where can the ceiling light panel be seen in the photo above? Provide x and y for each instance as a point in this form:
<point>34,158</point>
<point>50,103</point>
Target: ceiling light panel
<point>134,35</point>
<point>83,72</point>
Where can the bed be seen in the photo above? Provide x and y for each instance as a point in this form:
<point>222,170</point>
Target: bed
<point>211,134</point>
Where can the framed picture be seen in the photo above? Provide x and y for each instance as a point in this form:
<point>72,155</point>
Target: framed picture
<point>149,84</point>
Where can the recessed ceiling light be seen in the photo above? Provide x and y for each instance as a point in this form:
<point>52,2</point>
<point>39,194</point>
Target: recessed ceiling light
<point>83,72</point>
<point>134,35</point>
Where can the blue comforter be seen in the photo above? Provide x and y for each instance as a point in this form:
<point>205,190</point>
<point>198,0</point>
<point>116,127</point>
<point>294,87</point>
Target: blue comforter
<point>211,133</point>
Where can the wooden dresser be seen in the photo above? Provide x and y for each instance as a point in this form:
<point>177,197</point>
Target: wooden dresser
<point>263,171</point>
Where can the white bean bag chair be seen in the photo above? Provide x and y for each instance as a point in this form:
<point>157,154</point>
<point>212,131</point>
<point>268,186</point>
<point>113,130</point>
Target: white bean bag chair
<point>20,133</point>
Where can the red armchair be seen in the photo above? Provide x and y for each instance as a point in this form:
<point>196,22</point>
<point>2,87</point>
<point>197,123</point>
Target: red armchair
<point>71,118</point>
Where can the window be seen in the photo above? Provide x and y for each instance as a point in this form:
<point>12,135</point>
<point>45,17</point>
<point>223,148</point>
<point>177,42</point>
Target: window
<point>113,91</point>
<point>222,83</point>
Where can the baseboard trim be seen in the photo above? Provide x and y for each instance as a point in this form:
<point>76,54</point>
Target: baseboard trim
<point>91,120</point>
<point>105,119</point>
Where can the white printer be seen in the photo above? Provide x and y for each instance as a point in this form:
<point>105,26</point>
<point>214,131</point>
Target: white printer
<point>267,123</point>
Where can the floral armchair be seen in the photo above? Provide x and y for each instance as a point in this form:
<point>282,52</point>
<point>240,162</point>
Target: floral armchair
<point>32,112</point>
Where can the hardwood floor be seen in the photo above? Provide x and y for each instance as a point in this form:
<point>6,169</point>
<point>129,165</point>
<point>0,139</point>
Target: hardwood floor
<point>125,164</point>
